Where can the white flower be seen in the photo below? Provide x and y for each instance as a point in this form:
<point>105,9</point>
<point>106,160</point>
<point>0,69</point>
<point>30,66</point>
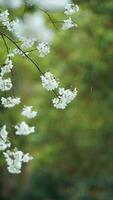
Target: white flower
<point>7,68</point>
<point>27,111</point>
<point>24,129</point>
<point>64,98</point>
<point>27,43</point>
<point>59,103</point>
<point>15,159</point>
<point>43,48</point>
<point>4,143</point>
<point>11,25</point>
<point>4,18</point>
<point>10,102</point>
<point>68,23</point>
<point>68,95</point>
<point>70,9</point>
<point>5,84</point>
<point>48,81</point>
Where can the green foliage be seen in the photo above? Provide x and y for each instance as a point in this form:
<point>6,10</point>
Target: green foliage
<point>73,149</point>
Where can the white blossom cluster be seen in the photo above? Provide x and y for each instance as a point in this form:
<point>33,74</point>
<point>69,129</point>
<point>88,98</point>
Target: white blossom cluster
<point>64,98</point>
<point>4,18</point>
<point>24,129</point>
<point>68,23</point>
<point>15,159</point>
<point>49,82</point>
<point>70,9</point>
<point>43,49</point>
<point>7,68</point>
<point>27,111</point>
<point>5,84</point>
<point>30,32</point>
<point>10,102</point>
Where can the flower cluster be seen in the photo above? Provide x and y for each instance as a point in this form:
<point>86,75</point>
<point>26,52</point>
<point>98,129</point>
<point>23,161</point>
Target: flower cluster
<point>24,129</point>
<point>43,48</point>
<point>4,17</point>
<point>49,82</point>
<point>70,9</point>
<point>68,23</point>
<point>27,111</point>
<point>10,102</point>
<point>7,68</point>
<point>64,98</point>
<point>5,84</point>
<point>15,159</point>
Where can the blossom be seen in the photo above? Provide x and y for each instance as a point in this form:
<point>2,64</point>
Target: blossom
<point>68,23</point>
<point>11,25</point>
<point>4,18</point>
<point>4,142</point>
<point>70,9</point>
<point>7,68</point>
<point>5,84</point>
<point>65,97</point>
<point>43,48</point>
<point>10,102</point>
<point>59,103</point>
<point>24,129</point>
<point>27,111</point>
<point>27,42</point>
<point>48,81</point>
<point>15,159</point>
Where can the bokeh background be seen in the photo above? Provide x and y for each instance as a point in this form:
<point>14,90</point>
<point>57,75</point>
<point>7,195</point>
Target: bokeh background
<point>73,148</point>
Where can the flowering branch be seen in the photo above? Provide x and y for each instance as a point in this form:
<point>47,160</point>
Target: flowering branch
<point>63,97</point>
<point>24,53</point>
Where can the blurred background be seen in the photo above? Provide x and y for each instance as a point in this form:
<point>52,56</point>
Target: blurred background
<point>73,148</point>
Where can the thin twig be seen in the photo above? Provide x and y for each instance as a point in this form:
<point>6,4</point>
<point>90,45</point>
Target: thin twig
<point>49,16</point>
